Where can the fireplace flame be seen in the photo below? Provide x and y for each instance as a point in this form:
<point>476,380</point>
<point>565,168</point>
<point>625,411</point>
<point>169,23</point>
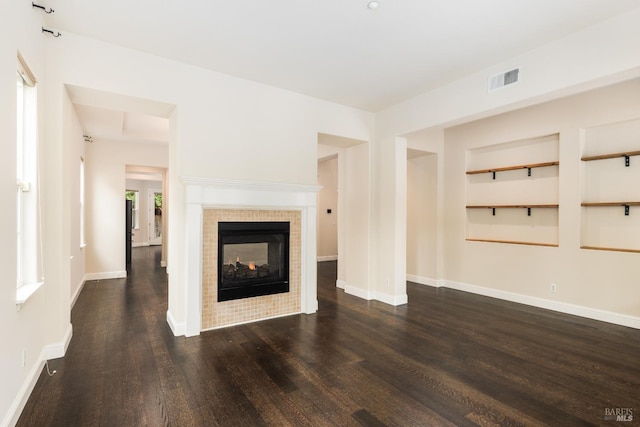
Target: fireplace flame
<point>252,266</point>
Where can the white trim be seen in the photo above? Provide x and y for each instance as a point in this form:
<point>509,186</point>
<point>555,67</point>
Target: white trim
<point>15,410</point>
<point>201,193</point>
<point>24,292</point>
<point>163,264</point>
<point>562,307</point>
<point>341,284</point>
<point>357,292</point>
<point>327,258</point>
<point>75,296</point>
<point>252,321</point>
<point>422,280</point>
<point>394,300</point>
<point>178,329</point>
<point>140,244</point>
<point>248,185</point>
<point>59,349</point>
<point>106,275</point>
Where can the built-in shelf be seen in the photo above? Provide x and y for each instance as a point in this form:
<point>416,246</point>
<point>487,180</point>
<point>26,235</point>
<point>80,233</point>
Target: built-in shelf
<point>527,207</point>
<point>514,242</point>
<point>600,248</point>
<point>509,206</point>
<point>611,156</point>
<point>624,205</point>
<point>512,168</point>
<point>604,204</point>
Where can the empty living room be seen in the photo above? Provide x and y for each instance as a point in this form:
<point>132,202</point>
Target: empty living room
<point>377,213</point>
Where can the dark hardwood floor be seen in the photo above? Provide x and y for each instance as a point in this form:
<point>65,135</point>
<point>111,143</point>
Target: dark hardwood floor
<point>446,358</point>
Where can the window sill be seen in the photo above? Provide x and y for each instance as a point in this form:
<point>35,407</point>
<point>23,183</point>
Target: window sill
<point>24,292</point>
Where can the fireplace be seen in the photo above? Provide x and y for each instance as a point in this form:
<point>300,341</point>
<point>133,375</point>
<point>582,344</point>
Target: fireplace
<point>253,259</point>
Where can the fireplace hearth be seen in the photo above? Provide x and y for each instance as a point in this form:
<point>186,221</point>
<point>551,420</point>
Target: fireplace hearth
<point>253,259</point>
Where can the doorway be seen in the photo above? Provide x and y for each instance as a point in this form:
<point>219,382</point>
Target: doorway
<point>155,217</point>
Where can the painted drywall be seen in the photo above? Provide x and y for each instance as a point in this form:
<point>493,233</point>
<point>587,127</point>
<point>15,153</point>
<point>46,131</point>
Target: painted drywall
<point>591,58</point>
<point>599,280</point>
<point>328,201</point>
<point>222,127</point>
<point>106,184</point>
<point>25,329</point>
<point>74,141</point>
<point>422,218</point>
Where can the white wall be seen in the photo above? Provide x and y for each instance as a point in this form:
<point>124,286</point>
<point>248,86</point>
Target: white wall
<point>422,218</point>
<point>219,129</point>
<point>596,280</point>
<point>591,58</point>
<point>328,200</point>
<point>75,144</point>
<point>25,329</point>
<point>106,184</point>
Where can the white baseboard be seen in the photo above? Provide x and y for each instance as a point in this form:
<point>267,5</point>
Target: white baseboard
<point>562,307</point>
<point>15,410</point>
<point>357,292</point>
<point>140,244</point>
<point>59,349</point>
<point>394,300</point>
<point>106,275</point>
<point>341,284</point>
<point>178,329</point>
<point>421,280</point>
<point>327,258</point>
<point>76,294</point>
<point>378,296</point>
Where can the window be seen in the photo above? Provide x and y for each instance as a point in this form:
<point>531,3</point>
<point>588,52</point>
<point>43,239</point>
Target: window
<point>134,196</point>
<point>83,239</point>
<point>28,241</point>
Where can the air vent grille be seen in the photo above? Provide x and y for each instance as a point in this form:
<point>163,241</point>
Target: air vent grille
<point>504,79</point>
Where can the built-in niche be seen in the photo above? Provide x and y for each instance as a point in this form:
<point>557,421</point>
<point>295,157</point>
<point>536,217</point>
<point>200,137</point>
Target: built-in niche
<point>610,190</point>
<point>512,192</point>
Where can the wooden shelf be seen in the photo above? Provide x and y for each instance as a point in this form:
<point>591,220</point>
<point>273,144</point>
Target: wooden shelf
<point>514,242</point>
<point>509,206</point>
<point>611,156</point>
<point>605,204</point>
<point>511,168</point>
<point>601,248</point>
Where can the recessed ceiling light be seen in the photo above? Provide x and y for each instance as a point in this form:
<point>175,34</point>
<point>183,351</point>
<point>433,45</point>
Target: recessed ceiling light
<point>373,4</point>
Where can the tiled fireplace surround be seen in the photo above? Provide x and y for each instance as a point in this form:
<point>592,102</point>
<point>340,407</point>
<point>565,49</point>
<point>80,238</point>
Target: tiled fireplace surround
<point>211,200</point>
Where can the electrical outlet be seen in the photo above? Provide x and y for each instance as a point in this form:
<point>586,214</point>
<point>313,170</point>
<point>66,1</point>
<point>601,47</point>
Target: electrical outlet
<point>24,357</point>
<point>554,288</point>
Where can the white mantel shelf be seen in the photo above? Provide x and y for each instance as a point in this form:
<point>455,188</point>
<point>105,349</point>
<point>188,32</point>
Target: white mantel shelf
<point>204,193</point>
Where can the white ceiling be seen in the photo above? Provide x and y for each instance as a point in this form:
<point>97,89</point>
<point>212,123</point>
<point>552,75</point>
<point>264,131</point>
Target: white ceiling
<point>107,116</point>
<point>337,50</point>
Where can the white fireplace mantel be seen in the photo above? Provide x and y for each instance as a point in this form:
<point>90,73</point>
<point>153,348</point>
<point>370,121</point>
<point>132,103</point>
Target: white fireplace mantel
<point>204,193</point>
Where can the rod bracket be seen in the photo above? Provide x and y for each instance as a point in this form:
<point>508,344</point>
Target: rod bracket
<point>528,211</point>
<point>493,211</point>
<point>626,210</point>
<point>528,171</point>
<point>494,174</point>
<point>54,34</point>
<point>42,7</point>
<point>627,161</point>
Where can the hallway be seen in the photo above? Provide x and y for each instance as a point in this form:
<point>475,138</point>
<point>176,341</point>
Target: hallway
<point>447,358</point>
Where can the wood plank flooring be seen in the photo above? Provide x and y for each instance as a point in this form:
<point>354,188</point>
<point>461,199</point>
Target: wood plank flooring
<point>447,358</point>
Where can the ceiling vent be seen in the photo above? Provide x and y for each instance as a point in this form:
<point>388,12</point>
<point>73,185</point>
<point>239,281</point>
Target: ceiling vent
<point>504,79</point>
